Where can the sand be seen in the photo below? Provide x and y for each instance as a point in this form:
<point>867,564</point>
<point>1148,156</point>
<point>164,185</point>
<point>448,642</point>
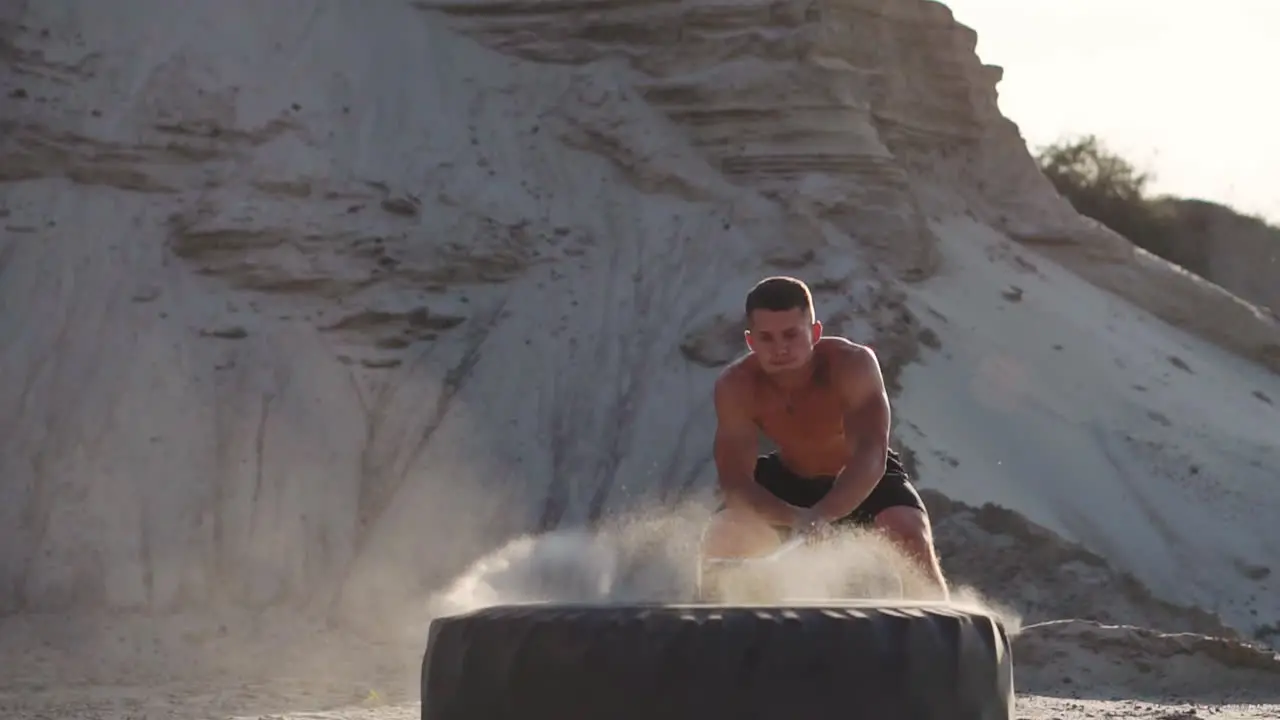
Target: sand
<point>285,285</point>
<point>282,665</point>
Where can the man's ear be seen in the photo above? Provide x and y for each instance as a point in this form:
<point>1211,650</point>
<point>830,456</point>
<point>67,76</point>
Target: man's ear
<point>817,330</point>
<point>746,335</point>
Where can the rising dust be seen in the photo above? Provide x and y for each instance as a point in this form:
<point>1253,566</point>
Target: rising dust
<point>651,558</point>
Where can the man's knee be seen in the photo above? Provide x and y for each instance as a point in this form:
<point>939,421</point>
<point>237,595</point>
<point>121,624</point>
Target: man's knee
<point>734,532</point>
<point>909,527</point>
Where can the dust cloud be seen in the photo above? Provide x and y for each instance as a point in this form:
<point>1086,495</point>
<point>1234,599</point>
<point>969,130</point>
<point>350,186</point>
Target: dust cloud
<point>651,558</point>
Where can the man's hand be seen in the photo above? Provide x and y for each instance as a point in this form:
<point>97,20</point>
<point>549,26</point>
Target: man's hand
<point>809,522</point>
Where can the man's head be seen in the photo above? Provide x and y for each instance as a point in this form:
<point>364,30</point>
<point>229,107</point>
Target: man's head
<point>781,327</point>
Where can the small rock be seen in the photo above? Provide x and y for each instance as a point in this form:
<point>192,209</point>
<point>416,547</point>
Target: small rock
<point>790,260</point>
<point>717,342</point>
<point>234,332</point>
<point>145,294</point>
<point>422,317</point>
<point>1254,572</point>
<point>404,206</point>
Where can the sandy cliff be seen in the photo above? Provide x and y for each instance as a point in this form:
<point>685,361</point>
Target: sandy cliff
<point>311,304</point>
<point>269,280</point>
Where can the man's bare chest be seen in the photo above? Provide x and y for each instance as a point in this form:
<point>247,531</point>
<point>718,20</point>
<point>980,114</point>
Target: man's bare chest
<point>814,415</point>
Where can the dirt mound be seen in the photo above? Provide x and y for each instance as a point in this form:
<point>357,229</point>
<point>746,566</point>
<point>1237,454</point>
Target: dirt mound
<point>1044,577</point>
<point>1088,659</point>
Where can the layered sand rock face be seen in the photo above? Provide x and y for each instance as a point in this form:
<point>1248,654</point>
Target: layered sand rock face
<point>296,302</point>
<point>313,304</point>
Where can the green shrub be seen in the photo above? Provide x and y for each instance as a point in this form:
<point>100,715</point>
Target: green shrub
<point>1101,184</point>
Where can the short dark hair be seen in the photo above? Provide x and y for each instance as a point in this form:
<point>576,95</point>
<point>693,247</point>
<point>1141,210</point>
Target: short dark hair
<point>779,293</point>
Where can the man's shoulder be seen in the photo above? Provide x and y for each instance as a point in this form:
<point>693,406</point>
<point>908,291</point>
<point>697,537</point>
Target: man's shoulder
<point>739,375</point>
<point>851,367</point>
<point>845,354</point>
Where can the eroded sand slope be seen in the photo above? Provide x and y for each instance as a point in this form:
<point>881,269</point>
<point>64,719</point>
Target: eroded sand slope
<point>306,306</point>
<point>1142,443</point>
<point>296,284</point>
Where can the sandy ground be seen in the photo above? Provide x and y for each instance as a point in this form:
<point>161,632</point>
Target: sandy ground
<point>282,665</point>
<point>137,672</point>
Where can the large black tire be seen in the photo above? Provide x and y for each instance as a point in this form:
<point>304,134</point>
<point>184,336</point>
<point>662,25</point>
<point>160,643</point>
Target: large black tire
<point>889,661</point>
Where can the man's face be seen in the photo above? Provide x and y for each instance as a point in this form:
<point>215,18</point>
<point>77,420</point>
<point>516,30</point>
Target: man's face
<point>783,340</point>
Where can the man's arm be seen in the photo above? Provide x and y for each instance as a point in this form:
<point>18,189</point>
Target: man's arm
<point>866,425</point>
<point>735,456</point>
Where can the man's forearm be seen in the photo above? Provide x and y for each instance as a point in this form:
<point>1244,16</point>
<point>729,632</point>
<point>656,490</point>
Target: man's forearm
<point>854,483</point>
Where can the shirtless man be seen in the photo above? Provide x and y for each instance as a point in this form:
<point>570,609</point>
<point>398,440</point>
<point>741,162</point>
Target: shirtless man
<point>822,401</point>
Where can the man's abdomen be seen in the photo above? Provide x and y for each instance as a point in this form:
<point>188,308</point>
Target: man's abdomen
<point>812,460</point>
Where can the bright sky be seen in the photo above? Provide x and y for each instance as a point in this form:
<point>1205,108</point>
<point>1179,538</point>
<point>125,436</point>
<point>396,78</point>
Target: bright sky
<point>1189,91</point>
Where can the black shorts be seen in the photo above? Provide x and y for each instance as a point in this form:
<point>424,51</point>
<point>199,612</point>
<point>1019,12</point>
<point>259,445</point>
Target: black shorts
<point>893,490</point>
